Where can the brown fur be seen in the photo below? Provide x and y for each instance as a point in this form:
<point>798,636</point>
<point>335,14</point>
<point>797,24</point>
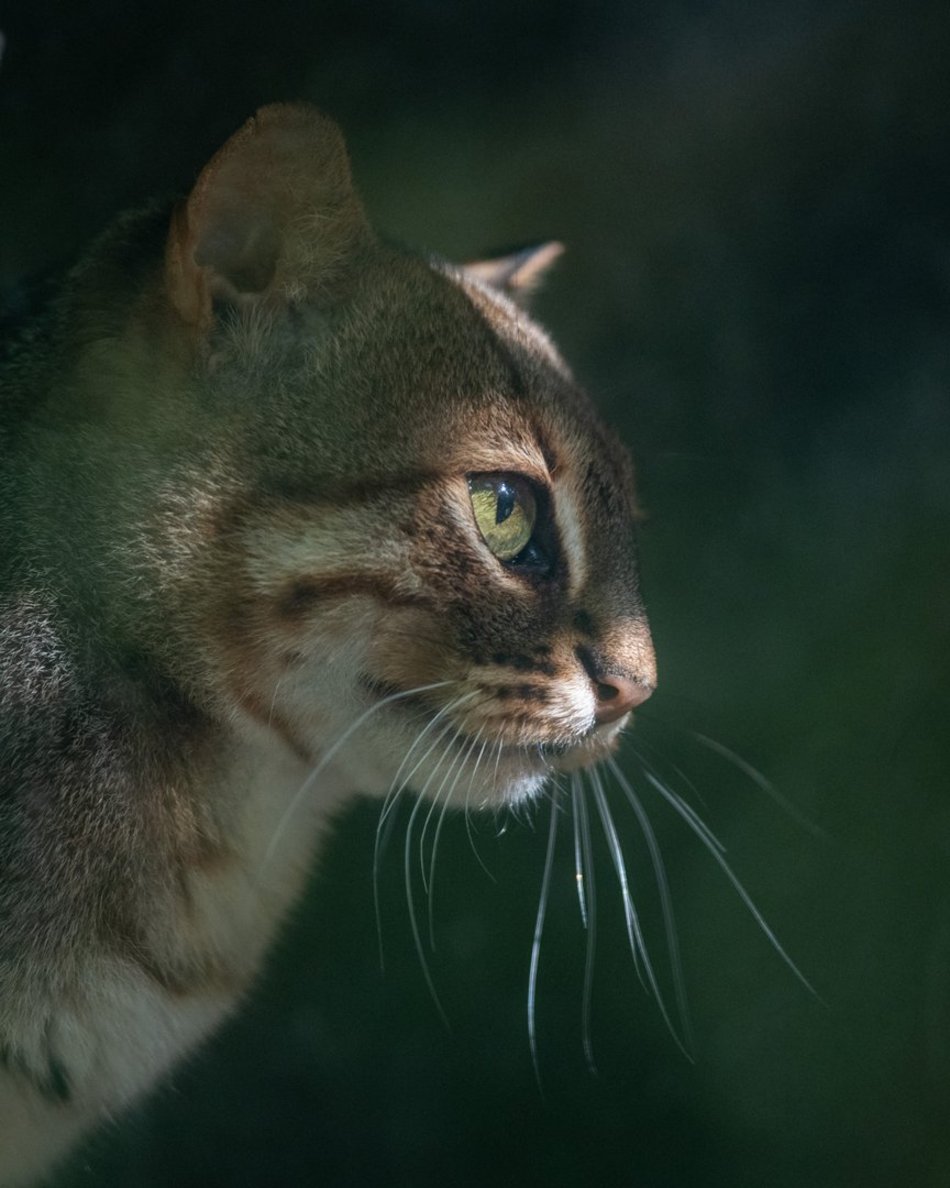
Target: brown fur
<point>234,518</point>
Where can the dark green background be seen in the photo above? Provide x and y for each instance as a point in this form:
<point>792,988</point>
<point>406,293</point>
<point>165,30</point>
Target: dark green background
<point>756,205</point>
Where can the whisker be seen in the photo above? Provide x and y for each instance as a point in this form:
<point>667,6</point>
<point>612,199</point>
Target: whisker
<point>654,777</point>
<point>467,803</point>
<point>392,796</point>
<point>471,782</point>
<point>431,884</point>
<point>695,820</point>
<point>762,783</point>
<point>585,853</point>
<point>438,829</point>
<point>386,814</point>
<point>399,784</point>
<point>578,859</point>
<point>715,849</point>
<point>307,784</point>
<point>666,899</point>
<point>499,747</point>
<point>384,832</point>
<point>404,783</point>
<point>410,897</point>
<point>469,832</point>
<point>273,700</point>
<point>543,898</point>
<point>454,767</point>
<point>638,742</point>
<point>632,919</point>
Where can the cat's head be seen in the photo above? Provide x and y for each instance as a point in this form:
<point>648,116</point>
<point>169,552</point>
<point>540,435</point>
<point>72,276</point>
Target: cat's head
<point>423,566</point>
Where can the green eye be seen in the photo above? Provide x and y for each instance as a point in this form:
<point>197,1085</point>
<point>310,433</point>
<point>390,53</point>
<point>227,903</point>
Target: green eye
<point>505,511</point>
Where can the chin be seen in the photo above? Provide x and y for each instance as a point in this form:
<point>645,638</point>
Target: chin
<point>520,789</point>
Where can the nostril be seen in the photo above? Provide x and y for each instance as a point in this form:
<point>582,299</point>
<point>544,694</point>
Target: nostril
<point>614,695</point>
<point>617,696</point>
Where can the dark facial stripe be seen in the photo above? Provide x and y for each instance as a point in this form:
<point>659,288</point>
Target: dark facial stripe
<point>303,594</point>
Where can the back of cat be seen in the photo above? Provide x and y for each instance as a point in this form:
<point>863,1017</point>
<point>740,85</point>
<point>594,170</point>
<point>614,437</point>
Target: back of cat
<point>286,516</point>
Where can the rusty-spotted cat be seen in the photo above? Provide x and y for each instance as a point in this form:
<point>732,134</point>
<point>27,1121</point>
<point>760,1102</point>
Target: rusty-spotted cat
<point>287,516</point>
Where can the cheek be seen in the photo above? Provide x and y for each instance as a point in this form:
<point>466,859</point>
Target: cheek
<point>413,645</point>
<point>292,628</point>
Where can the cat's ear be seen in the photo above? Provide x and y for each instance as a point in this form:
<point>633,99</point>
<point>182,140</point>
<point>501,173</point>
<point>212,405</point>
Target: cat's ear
<point>517,274</point>
<point>273,217</point>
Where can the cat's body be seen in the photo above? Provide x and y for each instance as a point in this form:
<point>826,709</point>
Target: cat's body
<point>245,469</point>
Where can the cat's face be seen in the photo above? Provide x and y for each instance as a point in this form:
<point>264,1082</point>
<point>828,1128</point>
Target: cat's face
<point>430,577</point>
<point>447,559</point>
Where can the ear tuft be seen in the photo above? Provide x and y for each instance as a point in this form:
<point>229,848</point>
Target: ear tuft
<point>273,215</point>
<point>517,274</point>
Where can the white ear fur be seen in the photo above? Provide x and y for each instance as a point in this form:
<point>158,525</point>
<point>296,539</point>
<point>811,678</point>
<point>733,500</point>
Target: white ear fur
<point>273,216</point>
<point>519,273</point>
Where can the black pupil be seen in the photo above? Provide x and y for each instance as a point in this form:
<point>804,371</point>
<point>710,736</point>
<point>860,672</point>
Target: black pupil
<point>507,498</point>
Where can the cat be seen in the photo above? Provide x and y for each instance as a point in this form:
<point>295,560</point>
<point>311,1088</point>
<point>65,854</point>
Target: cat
<point>287,515</point>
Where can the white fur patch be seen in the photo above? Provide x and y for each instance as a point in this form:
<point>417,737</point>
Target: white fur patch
<point>570,524</point>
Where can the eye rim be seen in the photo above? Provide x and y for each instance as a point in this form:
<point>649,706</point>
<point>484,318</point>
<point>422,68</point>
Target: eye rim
<point>536,558</point>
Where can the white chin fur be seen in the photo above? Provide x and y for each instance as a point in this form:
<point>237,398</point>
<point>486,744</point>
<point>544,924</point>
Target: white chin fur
<point>376,762</point>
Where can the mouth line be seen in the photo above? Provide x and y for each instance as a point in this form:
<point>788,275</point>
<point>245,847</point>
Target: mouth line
<point>416,704</point>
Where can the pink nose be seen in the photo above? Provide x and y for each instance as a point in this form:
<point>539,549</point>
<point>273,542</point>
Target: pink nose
<point>617,696</point>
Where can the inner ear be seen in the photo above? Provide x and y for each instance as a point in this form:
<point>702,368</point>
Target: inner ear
<point>242,255</point>
<point>517,274</point>
<point>272,216</point>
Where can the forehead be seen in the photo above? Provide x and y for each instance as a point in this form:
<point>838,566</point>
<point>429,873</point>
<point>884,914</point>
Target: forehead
<point>455,357</point>
<point>509,321</point>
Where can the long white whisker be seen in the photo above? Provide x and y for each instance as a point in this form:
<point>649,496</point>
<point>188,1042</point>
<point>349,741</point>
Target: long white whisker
<point>705,836</point>
<point>410,898</point>
<point>638,745</point>
<point>666,899</point>
<point>761,782</point>
<point>448,708</point>
<point>394,793</point>
<point>697,824</point>
<point>654,777</point>
<point>578,857</point>
<point>631,917</point>
<point>384,831</point>
<point>386,814</point>
<point>634,930</point>
<point>398,784</point>
<point>446,802</point>
<point>273,700</point>
<point>305,787</point>
<point>435,849</point>
<point>453,770</point>
<point>468,819</point>
<point>499,747</point>
<point>471,781</point>
<point>543,898</point>
<point>586,855</point>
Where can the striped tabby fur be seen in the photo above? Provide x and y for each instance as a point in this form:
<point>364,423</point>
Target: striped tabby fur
<point>240,576</point>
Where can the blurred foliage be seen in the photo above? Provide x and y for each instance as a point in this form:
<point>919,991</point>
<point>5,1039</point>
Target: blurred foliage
<point>755,202</point>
